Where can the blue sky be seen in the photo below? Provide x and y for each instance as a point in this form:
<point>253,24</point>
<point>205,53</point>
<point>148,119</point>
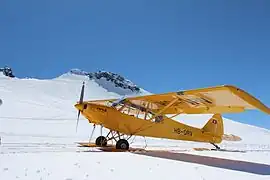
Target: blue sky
<point>162,46</point>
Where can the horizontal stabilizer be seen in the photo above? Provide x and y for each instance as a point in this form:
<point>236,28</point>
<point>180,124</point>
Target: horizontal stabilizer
<point>231,137</point>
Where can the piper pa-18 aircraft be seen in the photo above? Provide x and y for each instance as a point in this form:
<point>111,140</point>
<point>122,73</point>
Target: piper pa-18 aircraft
<point>152,115</point>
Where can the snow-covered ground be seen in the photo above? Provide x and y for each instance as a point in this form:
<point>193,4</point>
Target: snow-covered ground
<point>38,140</point>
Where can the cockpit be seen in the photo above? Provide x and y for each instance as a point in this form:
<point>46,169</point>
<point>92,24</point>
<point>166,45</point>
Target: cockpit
<point>142,111</point>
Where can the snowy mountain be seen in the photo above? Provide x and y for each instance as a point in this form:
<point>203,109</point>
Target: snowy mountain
<point>111,81</point>
<point>38,138</point>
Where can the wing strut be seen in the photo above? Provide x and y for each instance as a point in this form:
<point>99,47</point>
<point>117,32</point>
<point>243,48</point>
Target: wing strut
<point>162,110</point>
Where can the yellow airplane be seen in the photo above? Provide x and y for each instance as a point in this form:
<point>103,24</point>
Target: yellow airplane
<point>151,115</point>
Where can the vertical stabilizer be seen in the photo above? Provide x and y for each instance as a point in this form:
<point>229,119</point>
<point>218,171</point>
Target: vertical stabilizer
<point>214,126</point>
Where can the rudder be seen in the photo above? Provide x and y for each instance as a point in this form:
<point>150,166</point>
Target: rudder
<point>214,126</point>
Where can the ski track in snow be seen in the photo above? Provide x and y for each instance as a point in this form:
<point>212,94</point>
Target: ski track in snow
<point>38,141</point>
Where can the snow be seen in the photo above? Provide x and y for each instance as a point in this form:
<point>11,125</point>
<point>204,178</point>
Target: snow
<point>38,140</point>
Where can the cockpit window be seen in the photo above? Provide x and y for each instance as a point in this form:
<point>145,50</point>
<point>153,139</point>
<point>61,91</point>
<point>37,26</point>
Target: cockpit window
<point>137,111</point>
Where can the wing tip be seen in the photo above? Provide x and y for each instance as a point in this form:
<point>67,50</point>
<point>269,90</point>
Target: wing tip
<point>230,86</point>
<point>248,98</point>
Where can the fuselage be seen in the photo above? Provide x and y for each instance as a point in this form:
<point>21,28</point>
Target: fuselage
<point>125,123</point>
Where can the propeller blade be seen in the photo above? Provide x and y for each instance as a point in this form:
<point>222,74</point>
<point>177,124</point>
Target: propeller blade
<point>82,93</point>
<point>80,102</point>
<point>79,112</point>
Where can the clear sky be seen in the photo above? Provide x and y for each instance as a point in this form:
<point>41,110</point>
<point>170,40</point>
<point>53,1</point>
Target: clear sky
<point>160,45</point>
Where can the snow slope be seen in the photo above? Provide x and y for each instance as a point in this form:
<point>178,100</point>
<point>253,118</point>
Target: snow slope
<point>38,140</point>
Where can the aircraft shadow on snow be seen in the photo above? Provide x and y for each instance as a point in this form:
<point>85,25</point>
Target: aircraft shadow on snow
<point>249,167</point>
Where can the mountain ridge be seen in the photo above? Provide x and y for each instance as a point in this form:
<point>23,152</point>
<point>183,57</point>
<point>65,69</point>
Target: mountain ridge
<point>106,79</point>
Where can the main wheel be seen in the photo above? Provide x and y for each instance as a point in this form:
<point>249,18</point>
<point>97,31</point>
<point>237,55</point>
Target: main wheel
<point>101,141</point>
<point>122,144</point>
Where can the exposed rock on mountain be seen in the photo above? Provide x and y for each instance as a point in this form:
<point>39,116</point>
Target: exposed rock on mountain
<point>7,71</point>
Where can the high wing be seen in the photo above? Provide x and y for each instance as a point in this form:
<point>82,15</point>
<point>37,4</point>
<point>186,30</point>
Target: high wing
<point>218,99</point>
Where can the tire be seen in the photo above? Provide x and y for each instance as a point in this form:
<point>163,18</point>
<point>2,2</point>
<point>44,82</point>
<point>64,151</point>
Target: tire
<point>101,141</point>
<point>122,144</point>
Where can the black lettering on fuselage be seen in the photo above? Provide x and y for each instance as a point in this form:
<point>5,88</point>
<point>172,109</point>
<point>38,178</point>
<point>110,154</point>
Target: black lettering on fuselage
<point>102,109</point>
<point>182,131</point>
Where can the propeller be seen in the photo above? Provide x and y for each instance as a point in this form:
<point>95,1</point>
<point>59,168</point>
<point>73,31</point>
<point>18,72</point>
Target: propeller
<point>80,102</point>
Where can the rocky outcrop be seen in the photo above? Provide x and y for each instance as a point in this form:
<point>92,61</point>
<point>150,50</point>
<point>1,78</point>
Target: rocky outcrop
<point>116,79</point>
<point>7,71</point>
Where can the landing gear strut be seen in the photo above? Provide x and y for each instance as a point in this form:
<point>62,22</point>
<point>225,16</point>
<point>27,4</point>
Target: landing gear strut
<point>121,142</point>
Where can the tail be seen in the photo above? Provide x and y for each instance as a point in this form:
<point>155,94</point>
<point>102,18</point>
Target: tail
<point>214,127</point>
